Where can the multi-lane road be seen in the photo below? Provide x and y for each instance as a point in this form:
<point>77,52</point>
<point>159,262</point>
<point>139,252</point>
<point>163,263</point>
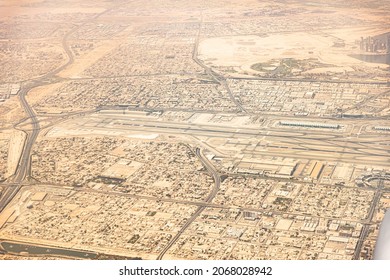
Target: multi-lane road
<point>212,74</point>
<point>326,145</point>
<point>217,182</point>
<point>23,169</point>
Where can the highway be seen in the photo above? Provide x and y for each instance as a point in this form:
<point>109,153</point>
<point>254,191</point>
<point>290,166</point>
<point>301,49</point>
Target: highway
<point>296,143</point>
<point>23,170</point>
<point>367,224</point>
<point>24,167</point>
<point>213,193</point>
<point>215,76</point>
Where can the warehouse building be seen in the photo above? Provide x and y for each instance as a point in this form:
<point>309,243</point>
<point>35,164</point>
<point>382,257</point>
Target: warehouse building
<point>310,124</point>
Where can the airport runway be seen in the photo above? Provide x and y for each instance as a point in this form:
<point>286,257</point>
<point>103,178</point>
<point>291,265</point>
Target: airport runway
<point>331,145</point>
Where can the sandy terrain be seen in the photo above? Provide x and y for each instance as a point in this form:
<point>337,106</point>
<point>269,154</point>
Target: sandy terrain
<point>86,61</point>
<point>242,52</point>
<point>10,112</point>
<point>14,151</point>
<point>239,50</point>
<point>16,7</point>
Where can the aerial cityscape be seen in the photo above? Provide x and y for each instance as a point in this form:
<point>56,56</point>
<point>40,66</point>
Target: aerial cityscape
<point>194,130</point>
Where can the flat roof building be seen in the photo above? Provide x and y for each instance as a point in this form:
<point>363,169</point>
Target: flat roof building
<point>310,124</point>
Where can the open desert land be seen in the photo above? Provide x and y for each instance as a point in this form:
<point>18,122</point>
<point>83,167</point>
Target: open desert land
<point>193,129</point>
